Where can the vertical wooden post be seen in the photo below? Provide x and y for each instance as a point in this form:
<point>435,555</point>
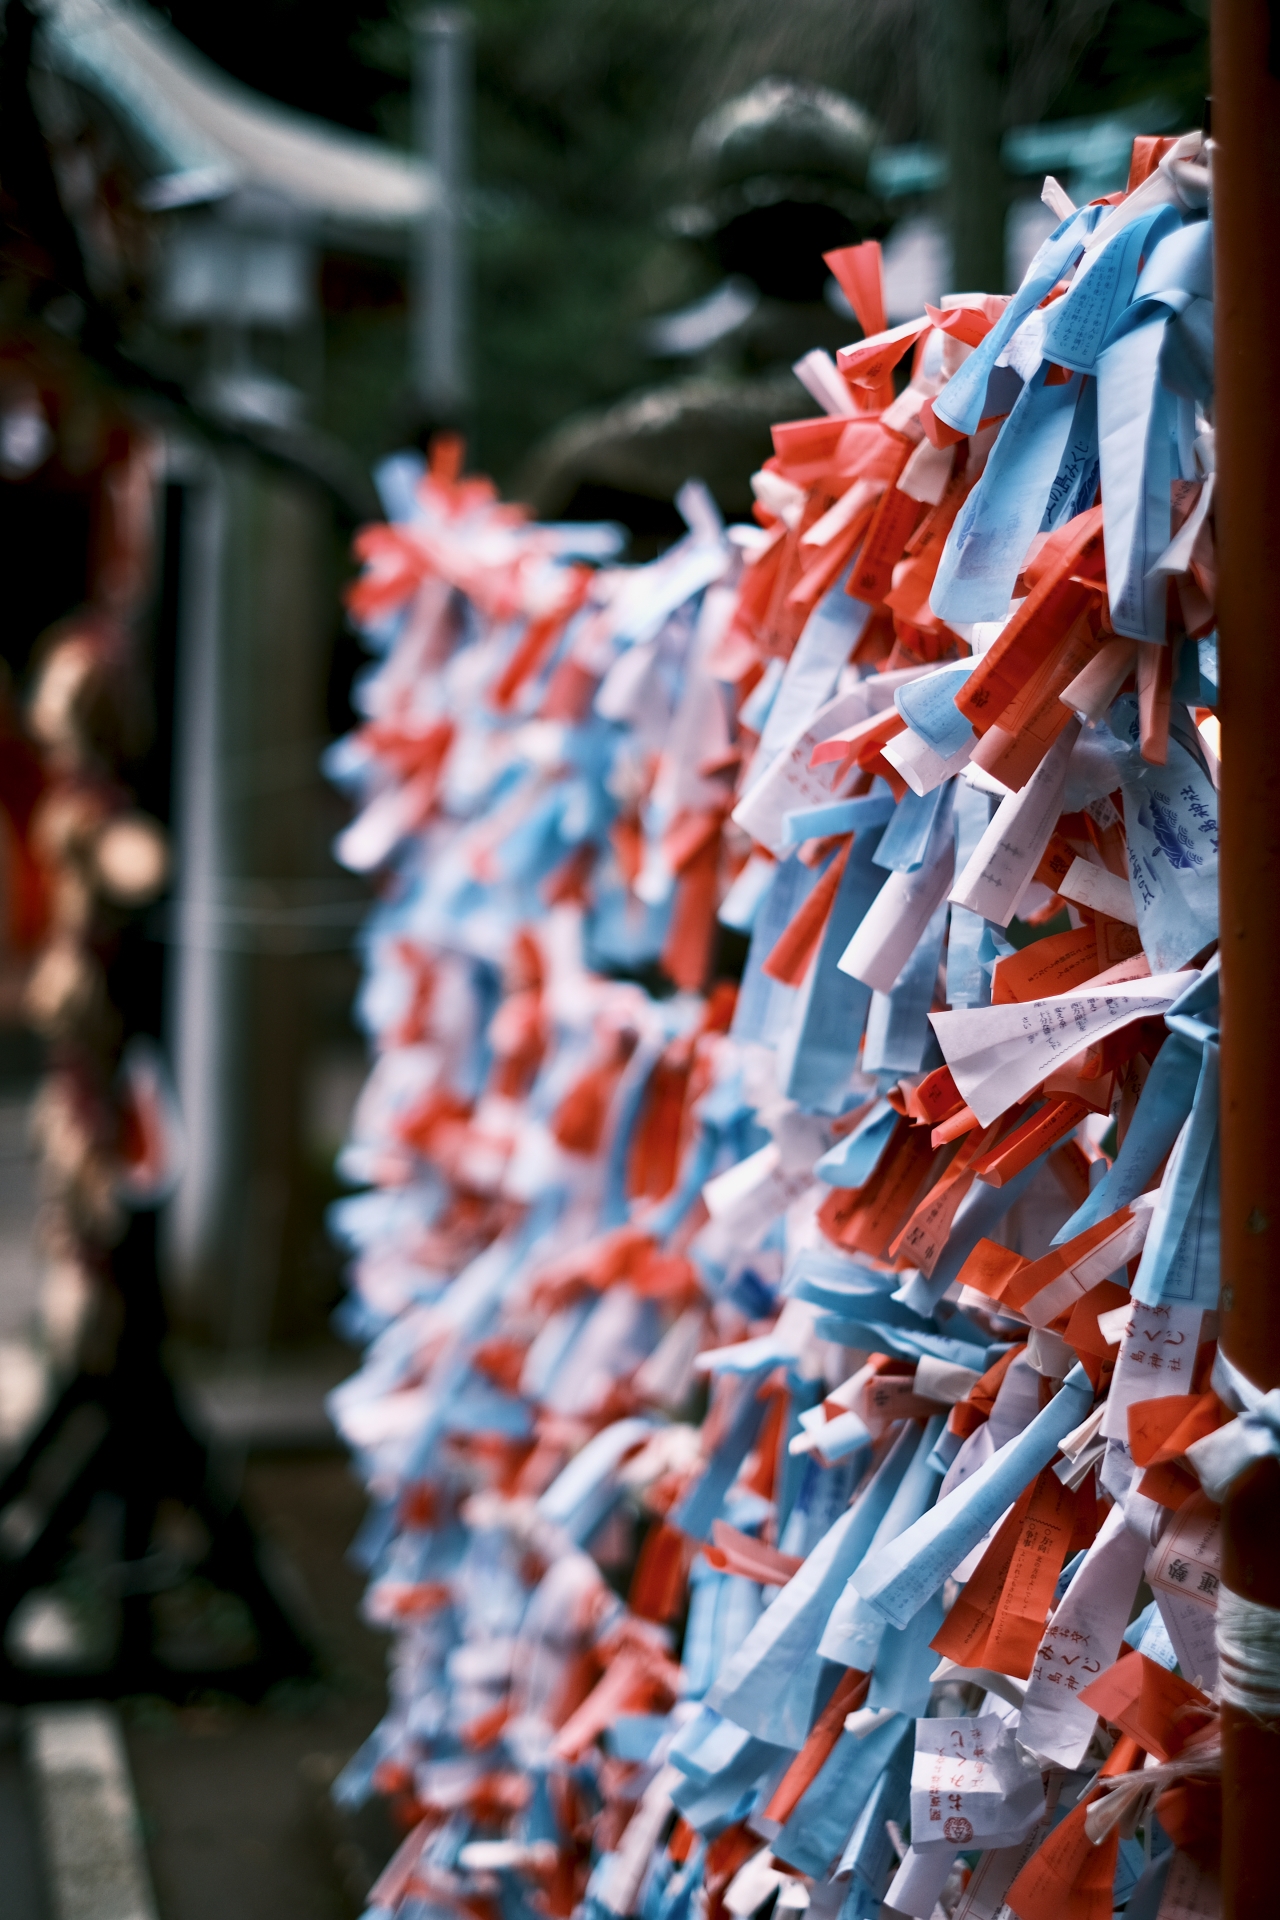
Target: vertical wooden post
<point>443,59</point>
<point>1246,132</point>
<point>969,43</point>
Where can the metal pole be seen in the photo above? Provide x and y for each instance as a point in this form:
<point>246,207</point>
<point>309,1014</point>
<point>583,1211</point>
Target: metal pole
<point>1246,173</point>
<point>442,79</point>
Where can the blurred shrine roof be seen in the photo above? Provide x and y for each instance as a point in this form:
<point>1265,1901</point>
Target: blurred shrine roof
<point>198,136</point>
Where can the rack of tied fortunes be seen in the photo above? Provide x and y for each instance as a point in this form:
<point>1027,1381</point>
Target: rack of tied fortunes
<point>784,1212</point>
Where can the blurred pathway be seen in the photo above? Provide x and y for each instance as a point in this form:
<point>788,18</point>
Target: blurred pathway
<point>22,1377</point>
<point>234,1799</point>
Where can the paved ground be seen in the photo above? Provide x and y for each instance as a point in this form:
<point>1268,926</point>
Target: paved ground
<point>17,1212</point>
<point>232,1798</point>
<point>22,1377</point>
<point>21,1868</point>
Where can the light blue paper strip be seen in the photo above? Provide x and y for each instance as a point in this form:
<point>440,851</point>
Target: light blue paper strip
<point>961,402</point>
<point>838,816</point>
<point>577,1499</point>
<point>763,1003</point>
<point>474,1296</point>
<point>988,541</point>
<point>1194,1013</point>
<point>906,1342</point>
<point>1075,485</point>
<point>792,1467</point>
<point>824,1495</point>
<point>759,703</point>
<point>705,1729</point>
<point>633,1736</point>
<point>707,1746</point>
<point>701,1505</point>
<point>968,981</point>
<point>1148,1634</point>
<point>655,592</point>
<point>1080,322</point>
<point>835,1282</point>
<point>698,1653</point>
<point>819,1049</point>
<point>898,1031</point>
<point>1186,367</point>
<point>669,1888</point>
<point>905,840</point>
<point>826,641</point>
<point>1180,1257</point>
<point>904,1668</point>
<point>1138,418</point>
<point>928,705</point>
<point>1162,1108</point>
<point>869,1854</point>
<point>1135,422</point>
<point>977,1217</point>
<point>844,1436</point>
<point>770,1684</point>
<point>733,1766</point>
<point>947,1448</point>
<point>853,1160</point>
<point>1171,827</point>
<point>1179,268</point>
<point>889,1316</point>
<point>819,1826</point>
<point>860,1903</point>
<point>723,1608</point>
<point>899,1578</point>
<point>854,1630</point>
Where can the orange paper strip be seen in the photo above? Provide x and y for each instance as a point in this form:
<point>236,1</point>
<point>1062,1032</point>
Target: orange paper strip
<point>1153,1706</point>
<point>963,1635</point>
<point>850,1692</point>
<point>1054,603</point>
<point>1038,1556</point>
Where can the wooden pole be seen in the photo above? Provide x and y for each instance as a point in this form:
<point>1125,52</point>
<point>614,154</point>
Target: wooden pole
<point>967,53</point>
<point>1246,172</point>
<point>443,59</point>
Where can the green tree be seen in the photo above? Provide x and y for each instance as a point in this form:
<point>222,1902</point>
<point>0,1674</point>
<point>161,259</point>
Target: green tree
<point>583,114</point>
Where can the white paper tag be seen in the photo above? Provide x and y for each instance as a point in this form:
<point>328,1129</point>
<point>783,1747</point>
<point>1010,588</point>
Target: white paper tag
<point>1185,1572</point>
<point>1081,1641</point>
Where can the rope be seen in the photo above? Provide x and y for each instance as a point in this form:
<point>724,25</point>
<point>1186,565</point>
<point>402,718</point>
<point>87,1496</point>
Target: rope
<point>1248,1655</point>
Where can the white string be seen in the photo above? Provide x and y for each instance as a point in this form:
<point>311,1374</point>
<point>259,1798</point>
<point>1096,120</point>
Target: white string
<point>1249,1655</point>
